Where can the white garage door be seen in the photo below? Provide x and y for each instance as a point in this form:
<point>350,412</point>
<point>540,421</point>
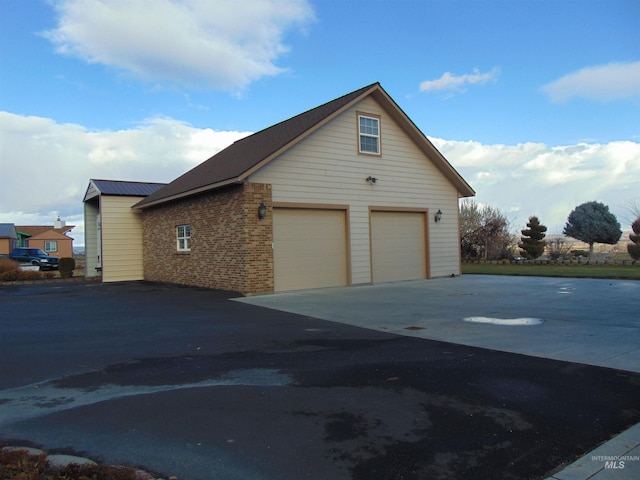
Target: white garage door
<point>398,246</point>
<point>310,248</point>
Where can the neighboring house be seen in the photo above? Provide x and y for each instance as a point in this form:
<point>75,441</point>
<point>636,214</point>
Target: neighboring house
<point>51,239</point>
<point>113,230</point>
<point>346,193</point>
<point>8,238</point>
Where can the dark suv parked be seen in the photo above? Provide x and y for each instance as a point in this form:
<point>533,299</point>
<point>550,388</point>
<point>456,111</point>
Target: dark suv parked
<point>35,256</point>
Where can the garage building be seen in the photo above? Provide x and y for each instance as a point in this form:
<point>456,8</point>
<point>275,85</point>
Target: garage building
<point>350,192</point>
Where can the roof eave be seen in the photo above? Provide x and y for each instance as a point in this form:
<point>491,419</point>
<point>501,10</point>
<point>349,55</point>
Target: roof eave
<point>244,175</point>
<point>94,195</point>
<point>144,204</point>
<point>464,189</point>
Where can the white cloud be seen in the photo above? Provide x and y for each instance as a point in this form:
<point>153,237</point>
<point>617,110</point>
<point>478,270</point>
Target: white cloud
<point>535,179</point>
<point>46,166</point>
<point>218,44</point>
<point>602,83</point>
<point>459,83</point>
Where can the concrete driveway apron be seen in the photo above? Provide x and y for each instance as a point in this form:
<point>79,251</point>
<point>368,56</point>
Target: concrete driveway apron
<point>590,321</point>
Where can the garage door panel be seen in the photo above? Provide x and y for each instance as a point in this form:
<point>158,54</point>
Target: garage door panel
<point>398,246</point>
<point>310,248</point>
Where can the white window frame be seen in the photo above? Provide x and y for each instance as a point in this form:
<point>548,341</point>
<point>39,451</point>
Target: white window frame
<point>368,134</point>
<point>183,238</point>
<point>50,243</point>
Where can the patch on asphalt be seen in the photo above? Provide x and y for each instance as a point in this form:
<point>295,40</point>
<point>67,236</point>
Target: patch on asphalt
<point>48,397</point>
<point>504,321</point>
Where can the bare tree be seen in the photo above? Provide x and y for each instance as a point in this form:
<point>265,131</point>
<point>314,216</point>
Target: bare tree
<point>633,207</point>
<point>558,248</point>
<point>484,231</point>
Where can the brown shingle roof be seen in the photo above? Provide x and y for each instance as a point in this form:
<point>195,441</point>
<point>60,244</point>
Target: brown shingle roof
<point>232,163</point>
<point>51,234</point>
<point>239,160</point>
<point>34,230</point>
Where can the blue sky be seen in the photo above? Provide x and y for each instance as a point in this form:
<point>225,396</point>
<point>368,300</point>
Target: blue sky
<point>536,103</point>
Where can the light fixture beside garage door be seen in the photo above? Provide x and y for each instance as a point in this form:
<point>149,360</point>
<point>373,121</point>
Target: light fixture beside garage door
<point>438,215</point>
<point>262,211</point>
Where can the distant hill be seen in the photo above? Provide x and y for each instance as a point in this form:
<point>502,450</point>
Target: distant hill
<point>598,248</point>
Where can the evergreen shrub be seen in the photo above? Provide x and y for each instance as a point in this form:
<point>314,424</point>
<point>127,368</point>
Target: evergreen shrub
<point>66,267</point>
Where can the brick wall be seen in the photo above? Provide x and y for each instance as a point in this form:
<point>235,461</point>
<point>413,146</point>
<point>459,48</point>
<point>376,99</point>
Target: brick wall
<point>231,249</point>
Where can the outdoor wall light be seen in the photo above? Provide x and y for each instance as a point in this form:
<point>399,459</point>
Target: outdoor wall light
<point>438,215</point>
<point>262,211</point>
<point>371,179</point>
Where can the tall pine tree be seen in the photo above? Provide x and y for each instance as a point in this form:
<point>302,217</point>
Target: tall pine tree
<point>532,241</point>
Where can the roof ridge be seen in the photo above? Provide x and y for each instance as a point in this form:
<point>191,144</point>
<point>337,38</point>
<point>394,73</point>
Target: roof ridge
<point>123,181</point>
<point>308,111</point>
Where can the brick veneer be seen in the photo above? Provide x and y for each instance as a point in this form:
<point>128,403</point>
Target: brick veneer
<point>231,249</point>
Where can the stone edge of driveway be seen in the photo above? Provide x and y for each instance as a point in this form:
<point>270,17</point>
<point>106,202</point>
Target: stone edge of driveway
<point>61,461</point>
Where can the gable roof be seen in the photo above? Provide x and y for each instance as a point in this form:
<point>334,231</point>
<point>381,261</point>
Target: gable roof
<point>236,162</point>
<point>8,230</point>
<point>35,230</point>
<point>51,234</point>
<point>118,187</point>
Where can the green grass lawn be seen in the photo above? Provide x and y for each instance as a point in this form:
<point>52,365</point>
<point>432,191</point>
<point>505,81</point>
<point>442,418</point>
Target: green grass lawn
<point>575,271</point>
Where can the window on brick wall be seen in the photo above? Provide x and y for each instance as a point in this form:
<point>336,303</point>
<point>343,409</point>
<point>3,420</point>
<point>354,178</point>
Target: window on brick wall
<point>51,246</point>
<point>183,237</point>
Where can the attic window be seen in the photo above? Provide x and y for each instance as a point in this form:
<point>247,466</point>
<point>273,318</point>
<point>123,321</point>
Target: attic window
<point>369,134</point>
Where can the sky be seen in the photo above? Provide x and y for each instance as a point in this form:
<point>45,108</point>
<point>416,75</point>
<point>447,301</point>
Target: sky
<point>536,103</point>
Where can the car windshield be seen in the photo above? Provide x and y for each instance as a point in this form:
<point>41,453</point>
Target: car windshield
<point>36,251</point>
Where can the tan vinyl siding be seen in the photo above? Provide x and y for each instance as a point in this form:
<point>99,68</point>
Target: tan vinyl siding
<point>91,211</point>
<point>121,239</point>
<point>325,168</point>
<point>5,246</point>
<point>445,242</point>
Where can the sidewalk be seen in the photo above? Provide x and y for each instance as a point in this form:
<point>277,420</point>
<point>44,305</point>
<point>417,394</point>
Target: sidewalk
<point>617,459</point>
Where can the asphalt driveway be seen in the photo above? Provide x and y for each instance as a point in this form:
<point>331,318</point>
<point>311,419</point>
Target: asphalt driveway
<point>184,382</point>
